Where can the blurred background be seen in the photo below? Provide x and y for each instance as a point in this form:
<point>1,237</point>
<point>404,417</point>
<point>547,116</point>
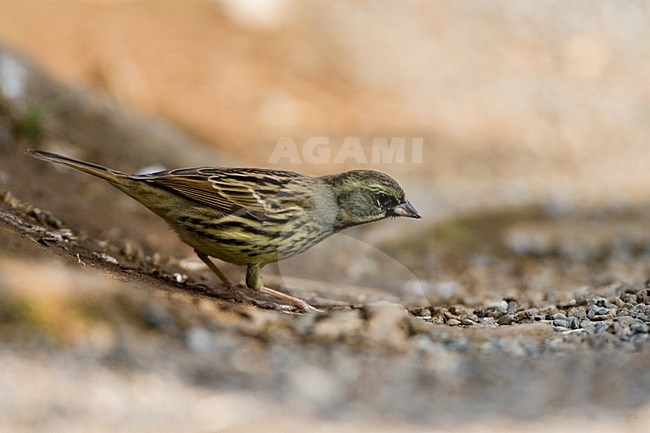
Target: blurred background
<point>514,101</point>
<point>519,129</point>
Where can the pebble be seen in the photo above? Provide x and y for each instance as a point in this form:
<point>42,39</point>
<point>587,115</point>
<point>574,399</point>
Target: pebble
<point>593,312</point>
<point>625,321</point>
<point>561,323</point>
<point>587,325</point>
<point>506,319</point>
<point>628,298</point>
<point>599,301</point>
<point>179,278</point>
<point>105,257</point>
<point>601,328</point>
<point>467,321</point>
<point>640,328</point>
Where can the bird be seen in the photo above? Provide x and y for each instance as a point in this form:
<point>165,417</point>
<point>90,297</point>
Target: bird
<point>254,216</point>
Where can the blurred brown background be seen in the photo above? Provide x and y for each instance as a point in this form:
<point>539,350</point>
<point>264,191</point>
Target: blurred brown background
<point>108,324</point>
<point>516,102</point>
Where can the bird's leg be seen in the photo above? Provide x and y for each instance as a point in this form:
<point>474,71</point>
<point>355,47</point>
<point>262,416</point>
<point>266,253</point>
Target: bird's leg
<point>213,268</point>
<point>255,282</point>
<point>232,288</point>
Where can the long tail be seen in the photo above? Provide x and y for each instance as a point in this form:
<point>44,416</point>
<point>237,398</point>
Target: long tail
<point>159,200</point>
<point>113,176</point>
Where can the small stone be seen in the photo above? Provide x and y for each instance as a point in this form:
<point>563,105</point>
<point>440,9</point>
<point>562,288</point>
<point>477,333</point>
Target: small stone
<point>625,321</point>
<point>577,312</point>
<point>467,321</point>
<point>453,322</point>
<point>587,324</point>
<point>623,312</point>
<point>599,301</point>
<point>449,315</point>
<point>593,312</point>
<point>66,234</point>
<point>629,298</point>
<point>506,319</point>
<point>601,328</point>
<point>105,257</point>
<point>420,312</point>
<point>640,328</point>
<point>179,278</point>
<point>618,302</point>
<point>561,323</point>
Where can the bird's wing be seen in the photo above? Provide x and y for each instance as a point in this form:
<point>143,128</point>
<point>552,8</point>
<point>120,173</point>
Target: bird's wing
<point>263,194</point>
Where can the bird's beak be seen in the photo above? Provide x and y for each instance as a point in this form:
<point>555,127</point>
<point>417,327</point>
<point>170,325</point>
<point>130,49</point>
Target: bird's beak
<point>406,209</point>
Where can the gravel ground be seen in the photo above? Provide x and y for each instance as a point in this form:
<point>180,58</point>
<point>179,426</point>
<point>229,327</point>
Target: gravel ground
<point>406,364</point>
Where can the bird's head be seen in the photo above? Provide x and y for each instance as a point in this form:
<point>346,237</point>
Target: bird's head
<point>364,196</point>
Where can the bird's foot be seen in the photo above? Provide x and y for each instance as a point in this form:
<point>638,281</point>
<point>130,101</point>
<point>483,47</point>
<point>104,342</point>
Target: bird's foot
<point>237,294</point>
<point>297,303</point>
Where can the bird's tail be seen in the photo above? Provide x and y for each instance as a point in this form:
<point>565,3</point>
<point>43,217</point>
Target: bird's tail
<point>113,176</point>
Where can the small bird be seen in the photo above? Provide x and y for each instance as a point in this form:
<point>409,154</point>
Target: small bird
<point>255,216</point>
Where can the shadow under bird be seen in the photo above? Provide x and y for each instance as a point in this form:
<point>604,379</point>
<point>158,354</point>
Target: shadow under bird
<point>255,216</point>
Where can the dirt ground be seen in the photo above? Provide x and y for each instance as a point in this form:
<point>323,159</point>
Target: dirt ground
<point>528,317</point>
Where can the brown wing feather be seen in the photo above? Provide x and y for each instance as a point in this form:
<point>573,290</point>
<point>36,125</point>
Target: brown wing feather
<point>263,194</point>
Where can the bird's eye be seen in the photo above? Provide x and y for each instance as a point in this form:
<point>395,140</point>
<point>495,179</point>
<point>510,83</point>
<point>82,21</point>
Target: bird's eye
<point>385,200</point>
